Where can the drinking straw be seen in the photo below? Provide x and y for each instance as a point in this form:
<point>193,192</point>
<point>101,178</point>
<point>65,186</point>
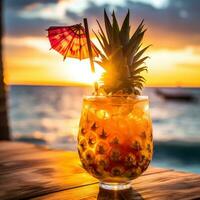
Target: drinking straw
<point>90,51</point>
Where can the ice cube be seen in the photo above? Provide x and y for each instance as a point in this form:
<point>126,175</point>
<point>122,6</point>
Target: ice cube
<point>103,114</point>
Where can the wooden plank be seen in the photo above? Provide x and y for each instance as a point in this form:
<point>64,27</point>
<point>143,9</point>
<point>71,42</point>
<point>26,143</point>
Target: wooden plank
<point>30,171</point>
<point>161,186</point>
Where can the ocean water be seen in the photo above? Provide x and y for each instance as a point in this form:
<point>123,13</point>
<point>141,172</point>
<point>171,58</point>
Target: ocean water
<point>49,116</point>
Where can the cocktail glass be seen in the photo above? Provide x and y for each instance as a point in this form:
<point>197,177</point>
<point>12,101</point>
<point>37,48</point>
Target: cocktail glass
<point>115,141</point>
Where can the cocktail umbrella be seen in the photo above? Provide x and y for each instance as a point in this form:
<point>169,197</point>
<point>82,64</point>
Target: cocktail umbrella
<point>73,41</point>
<point>70,41</point>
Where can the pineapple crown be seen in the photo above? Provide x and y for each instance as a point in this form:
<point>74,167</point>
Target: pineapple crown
<point>122,57</point>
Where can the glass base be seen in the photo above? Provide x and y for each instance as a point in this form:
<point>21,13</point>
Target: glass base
<point>115,186</point>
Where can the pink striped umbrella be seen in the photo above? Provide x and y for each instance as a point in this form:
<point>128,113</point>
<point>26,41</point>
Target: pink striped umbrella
<point>71,41</point>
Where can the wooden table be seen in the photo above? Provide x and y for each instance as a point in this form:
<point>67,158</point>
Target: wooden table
<point>32,172</point>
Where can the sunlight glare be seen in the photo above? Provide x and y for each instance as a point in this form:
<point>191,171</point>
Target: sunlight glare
<point>80,71</point>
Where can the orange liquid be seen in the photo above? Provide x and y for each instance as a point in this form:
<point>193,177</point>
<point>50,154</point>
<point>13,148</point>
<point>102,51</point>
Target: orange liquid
<point>115,137</point>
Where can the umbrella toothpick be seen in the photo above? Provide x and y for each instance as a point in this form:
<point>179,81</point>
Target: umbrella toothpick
<point>90,52</point>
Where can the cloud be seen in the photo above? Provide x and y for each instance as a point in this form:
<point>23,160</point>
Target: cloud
<point>20,4</point>
<point>38,43</point>
<point>31,18</point>
<point>171,24</point>
<point>18,26</point>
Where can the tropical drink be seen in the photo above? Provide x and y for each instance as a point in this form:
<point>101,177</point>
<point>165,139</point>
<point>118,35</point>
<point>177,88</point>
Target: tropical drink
<point>115,134</point>
<point>115,138</point>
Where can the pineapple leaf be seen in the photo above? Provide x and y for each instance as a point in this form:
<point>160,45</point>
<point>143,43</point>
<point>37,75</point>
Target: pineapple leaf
<point>101,64</point>
<point>100,42</point>
<point>135,46</point>
<point>138,77</point>
<point>140,53</point>
<point>139,62</point>
<point>102,32</point>
<point>122,56</point>
<point>115,52</point>
<point>115,23</point>
<point>138,85</point>
<point>104,38</point>
<point>136,91</point>
<point>137,71</point>
<point>125,30</point>
<point>107,49</point>
<point>115,32</point>
<point>108,26</point>
<point>138,31</point>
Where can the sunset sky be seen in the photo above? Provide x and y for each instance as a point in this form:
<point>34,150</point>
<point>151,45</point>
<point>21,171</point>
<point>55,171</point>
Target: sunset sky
<point>173,29</point>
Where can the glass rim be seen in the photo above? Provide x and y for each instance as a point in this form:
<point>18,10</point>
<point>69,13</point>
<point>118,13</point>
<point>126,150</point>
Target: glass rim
<point>101,97</point>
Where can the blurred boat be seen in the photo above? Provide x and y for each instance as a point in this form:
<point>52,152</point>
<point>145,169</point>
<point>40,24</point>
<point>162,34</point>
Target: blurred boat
<point>28,139</point>
<point>176,95</point>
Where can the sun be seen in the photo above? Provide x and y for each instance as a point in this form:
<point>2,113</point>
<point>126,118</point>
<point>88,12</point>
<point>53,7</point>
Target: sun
<point>80,71</point>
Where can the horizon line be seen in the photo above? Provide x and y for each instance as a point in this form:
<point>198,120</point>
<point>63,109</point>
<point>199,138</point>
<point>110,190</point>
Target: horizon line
<point>90,85</point>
